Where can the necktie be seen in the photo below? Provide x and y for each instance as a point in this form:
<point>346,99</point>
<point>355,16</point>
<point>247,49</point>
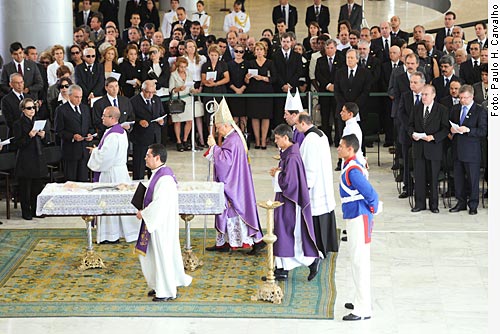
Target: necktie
<point>394,65</point>
<point>351,75</point>
<point>349,10</point>
<point>446,82</point>
<point>286,56</point>
<point>148,104</point>
<point>89,68</point>
<point>448,32</point>
<point>317,11</point>
<point>21,97</point>
<point>283,12</point>
<point>463,114</point>
<point>426,115</point>
<point>115,103</point>
<point>95,34</point>
<point>86,17</point>
<point>417,99</point>
<point>475,64</point>
<point>77,110</point>
<point>330,63</point>
<point>232,52</point>
<point>363,63</point>
<point>455,101</point>
<point>19,69</point>
<point>199,15</point>
<point>386,48</point>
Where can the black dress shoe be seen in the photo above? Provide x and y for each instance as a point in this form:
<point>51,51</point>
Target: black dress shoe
<point>353,317</point>
<point>458,208</point>
<point>473,212</point>
<point>314,269</point>
<point>180,147</point>
<point>344,232</point>
<point>214,248</point>
<point>388,144</point>
<point>279,275</point>
<point>105,242</point>
<point>415,209</point>
<point>435,210</point>
<point>404,194</point>
<point>151,293</point>
<point>27,217</point>
<point>399,178</point>
<point>349,306</point>
<point>256,248</point>
<point>343,238</point>
<point>163,299</point>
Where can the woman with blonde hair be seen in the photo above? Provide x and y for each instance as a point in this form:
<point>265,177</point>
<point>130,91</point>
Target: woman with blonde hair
<point>109,60</point>
<point>57,52</point>
<point>195,62</point>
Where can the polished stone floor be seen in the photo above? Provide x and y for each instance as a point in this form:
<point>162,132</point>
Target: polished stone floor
<point>429,271</point>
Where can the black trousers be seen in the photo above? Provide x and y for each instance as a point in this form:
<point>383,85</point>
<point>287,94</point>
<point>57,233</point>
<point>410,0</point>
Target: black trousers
<point>29,189</point>
<point>467,180</point>
<point>138,162</point>
<point>328,106</point>
<point>76,170</point>
<point>405,151</point>
<point>424,175</point>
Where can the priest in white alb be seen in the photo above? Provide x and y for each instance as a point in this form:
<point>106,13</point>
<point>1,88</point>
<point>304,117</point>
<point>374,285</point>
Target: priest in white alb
<point>108,161</point>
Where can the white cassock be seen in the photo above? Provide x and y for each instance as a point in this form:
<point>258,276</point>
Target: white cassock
<point>240,20</point>
<point>317,158</point>
<point>111,161</point>
<point>166,25</point>
<point>162,265</point>
<point>352,127</point>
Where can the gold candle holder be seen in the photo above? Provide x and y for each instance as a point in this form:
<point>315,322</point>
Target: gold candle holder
<point>90,260</point>
<point>269,290</point>
<point>189,259</point>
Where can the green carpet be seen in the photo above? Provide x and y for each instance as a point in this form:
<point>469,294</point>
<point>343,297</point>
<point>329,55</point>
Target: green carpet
<point>39,278</point>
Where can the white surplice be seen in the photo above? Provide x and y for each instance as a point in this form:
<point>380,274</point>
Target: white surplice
<point>162,265</point>
<point>111,161</point>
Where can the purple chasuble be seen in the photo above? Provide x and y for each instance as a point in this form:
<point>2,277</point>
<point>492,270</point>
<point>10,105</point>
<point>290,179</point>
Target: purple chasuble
<point>232,168</point>
<point>293,183</point>
<point>142,242</point>
<point>298,137</point>
<point>117,128</point>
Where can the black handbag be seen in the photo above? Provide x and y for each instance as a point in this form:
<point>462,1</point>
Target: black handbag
<point>176,105</point>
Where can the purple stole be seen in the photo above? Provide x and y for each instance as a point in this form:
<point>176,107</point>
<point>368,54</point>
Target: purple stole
<point>117,128</point>
<point>142,242</point>
<point>298,137</point>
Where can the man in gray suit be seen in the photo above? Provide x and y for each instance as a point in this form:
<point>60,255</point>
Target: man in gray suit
<point>33,82</point>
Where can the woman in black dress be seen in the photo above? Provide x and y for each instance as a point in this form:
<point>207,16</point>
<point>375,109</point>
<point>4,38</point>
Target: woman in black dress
<point>312,31</point>
<point>31,165</point>
<point>131,70</point>
<point>156,68</point>
<point>150,14</point>
<point>260,109</point>
<point>238,68</point>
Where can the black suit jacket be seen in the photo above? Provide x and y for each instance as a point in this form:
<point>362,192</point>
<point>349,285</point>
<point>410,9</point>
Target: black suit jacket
<point>186,26</point>
<point>126,112</point>
<point>151,134</point>
<point>200,40</point>
<point>130,8</point>
<point>479,97</point>
<point>385,74</point>
<point>402,35</point>
<point>468,72</point>
<point>322,71</point>
<point>323,19</point>
<point>373,65</point>
<point>467,146</point>
<point>437,125</point>
<point>292,17</point>
<point>405,108</point>
<point>439,40</point>
<point>110,11</point>
<point>79,19</point>
<point>356,91</point>
<point>31,75</point>
<point>485,46</point>
<point>10,109</point>
<point>68,123</point>
<point>447,101</point>
<point>377,45</point>
<point>441,89</point>
<point>90,81</point>
<point>283,72</point>
<point>161,80</point>
<point>355,18</point>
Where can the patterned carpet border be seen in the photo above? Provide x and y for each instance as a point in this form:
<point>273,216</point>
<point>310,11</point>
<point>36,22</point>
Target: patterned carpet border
<point>38,278</point>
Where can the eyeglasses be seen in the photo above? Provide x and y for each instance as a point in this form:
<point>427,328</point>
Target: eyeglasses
<point>63,86</point>
<point>239,51</point>
<point>90,56</point>
<point>153,52</point>
<point>106,116</point>
<point>75,52</point>
<point>30,108</point>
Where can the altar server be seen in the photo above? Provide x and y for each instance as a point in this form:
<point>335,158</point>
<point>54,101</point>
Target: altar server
<point>359,203</point>
<point>238,225</point>
<point>108,161</point>
<point>158,245</point>
<point>317,158</point>
<point>296,244</point>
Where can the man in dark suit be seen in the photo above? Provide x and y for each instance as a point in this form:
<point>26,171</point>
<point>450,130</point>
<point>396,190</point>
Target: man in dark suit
<point>133,6</point>
<point>428,126</point>
<point>452,98</point>
<point>442,83</point>
<point>353,13</point>
<point>407,103</point>
<point>31,53</point>
<point>418,35</point>
<point>482,36</point>
<point>89,75</point>
<point>74,127</point>
<point>382,44</point>
<point>232,40</point>
<point>147,130</point>
<point>326,68</point>
<point>83,17</point>
<point>396,32</point>
<point>287,70</point>
<point>112,99</point>
<point>385,75</point>
<point>10,102</point>
<point>196,35</point>
<point>352,84</point>
<point>432,50</point>
<point>449,22</point>
<point>182,20</point>
<point>469,70</point>
<point>287,12</point>
<point>320,14</point>
<point>109,10</point>
<point>472,120</point>
<point>33,82</point>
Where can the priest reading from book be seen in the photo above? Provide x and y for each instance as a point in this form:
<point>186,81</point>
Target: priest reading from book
<point>108,161</point>
<point>158,245</point>
<point>296,244</point>
<point>238,226</point>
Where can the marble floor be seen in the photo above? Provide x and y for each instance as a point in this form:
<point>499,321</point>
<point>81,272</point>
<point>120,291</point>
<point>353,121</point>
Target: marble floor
<point>429,271</point>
